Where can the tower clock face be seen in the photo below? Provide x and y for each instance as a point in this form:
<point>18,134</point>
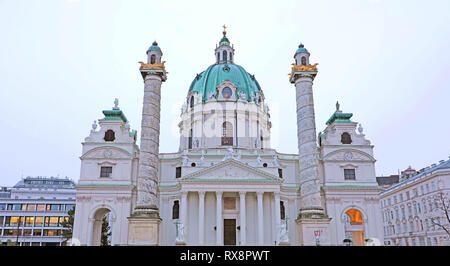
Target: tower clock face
<point>226,92</point>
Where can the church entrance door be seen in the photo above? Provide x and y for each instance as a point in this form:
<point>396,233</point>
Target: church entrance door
<point>229,232</point>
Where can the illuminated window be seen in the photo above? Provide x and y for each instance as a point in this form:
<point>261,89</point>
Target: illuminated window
<point>37,232</point>
<point>31,207</point>
<point>51,221</point>
<point>38,221</point>
<point>29,221</point>
<point>40,207</point>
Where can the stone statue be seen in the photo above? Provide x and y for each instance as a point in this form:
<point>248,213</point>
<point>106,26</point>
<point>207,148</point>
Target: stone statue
<point>180,232</point>
<point>211,95</point>
<point>360,129</point>
<point>259,160</point>
<point>337,106</point>
<point>185,158</point>
<point>202,159</point>
<point>229,154</point>
<point>116,104</point>
<point>196,143</point>
<point>127,126</point>
<point>275,160</point>
<point>94,125</point>
<point>283,234</point>
<point>242,96</point>
<point>238,157</point>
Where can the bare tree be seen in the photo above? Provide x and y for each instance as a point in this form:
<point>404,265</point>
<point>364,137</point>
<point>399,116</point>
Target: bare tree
<point>442,204</point>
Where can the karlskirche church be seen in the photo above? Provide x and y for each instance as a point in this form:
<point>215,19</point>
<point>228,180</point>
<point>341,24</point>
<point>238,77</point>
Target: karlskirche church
<point>226,185</point>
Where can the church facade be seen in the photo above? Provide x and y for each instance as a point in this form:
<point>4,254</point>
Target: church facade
<point>226,185</point>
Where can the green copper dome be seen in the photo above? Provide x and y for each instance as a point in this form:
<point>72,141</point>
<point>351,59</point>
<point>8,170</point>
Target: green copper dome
<point>154,47</point>
<point>207,81</point>
<point>301,49</point>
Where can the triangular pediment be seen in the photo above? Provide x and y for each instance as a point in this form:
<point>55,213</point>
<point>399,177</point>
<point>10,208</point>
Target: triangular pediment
<point>231,170</point>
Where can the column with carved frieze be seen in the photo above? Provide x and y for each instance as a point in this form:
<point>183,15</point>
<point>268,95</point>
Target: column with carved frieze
<point>144,223</point>
<point>311,202</point>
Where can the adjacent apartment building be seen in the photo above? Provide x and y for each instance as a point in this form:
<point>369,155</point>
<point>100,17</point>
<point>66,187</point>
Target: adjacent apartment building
<point>31,212</point>
<point>414,209</point>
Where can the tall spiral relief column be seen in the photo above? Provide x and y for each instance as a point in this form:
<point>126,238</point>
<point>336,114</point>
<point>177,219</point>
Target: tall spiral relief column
<point>144,221</point>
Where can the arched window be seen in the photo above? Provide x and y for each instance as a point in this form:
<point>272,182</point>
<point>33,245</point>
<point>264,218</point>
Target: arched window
<point>261,139</point>
<point>303,60</point>
<point>231,56</point>
<point>282,211</point>
<point>190,139</point>
<point>176,210</point>
<point>346,138</point>
<point>218,57</point>
<point>191,102</point>
<point>152,59</point>
<point>224,56</point>
<point>109,135</point>
<point>227,134</point>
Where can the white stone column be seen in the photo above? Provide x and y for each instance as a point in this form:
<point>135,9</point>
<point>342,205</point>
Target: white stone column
<point>276,197</point>
<point>260,238</point>
<point>243,218</point>
<point>201,217</point>
<point>184,207</point>
<point>219,230</point>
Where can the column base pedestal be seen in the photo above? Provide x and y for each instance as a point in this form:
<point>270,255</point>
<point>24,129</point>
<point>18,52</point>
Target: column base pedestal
<point>180,243</point>
<point>143,228</point>
<point>314,227</point>
<point>284,244</point>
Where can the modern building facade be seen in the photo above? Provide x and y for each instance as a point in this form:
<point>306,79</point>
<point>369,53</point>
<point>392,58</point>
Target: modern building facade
<point>31,212</point>
<point>413,209</point>
<point>226,185</point>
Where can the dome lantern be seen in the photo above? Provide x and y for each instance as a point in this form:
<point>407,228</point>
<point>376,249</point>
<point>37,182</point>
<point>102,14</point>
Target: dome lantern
<point>224,52</point>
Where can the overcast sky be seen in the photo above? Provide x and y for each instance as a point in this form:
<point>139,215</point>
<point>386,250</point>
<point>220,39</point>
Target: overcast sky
<point>63,62</point>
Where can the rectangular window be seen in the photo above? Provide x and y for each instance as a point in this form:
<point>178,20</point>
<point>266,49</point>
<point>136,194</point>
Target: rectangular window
<point>26,232</point>
<point>178,172</point>
<point>2,207</point>
<point>428,188</point>
<point>421,190</point>
<point>16,221</point>
<point>401,197</point>
<point>51,221</point>
<point>70,207</point>
<point>395,199</point>
<point>40,207</point>
<point>38,221</point>
<point>29,221</point>
<point>1,220</point>
<point>31,207</point>
<point>106,171</point>
<point>37,232</point>
<point>349,174</point>
<point>53,207</point>
<point>407,195</point>
<point>10,207</point>
<point>51,232</point>
<point>17,207</point>
<point>280,173</point>
<point>9,232</point>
